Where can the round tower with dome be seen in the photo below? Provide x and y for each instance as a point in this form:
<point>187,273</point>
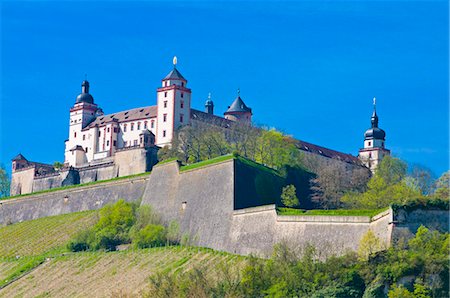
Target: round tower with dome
<point>374,143</point>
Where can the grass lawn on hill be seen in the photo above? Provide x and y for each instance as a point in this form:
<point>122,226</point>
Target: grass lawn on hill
<point>336,212</point>
<point>46,268</point>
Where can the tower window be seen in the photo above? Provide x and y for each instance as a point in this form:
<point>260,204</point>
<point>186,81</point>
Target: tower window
<point>181,94</point>
<point>84,137</point>
<point>181,117</point>
<point>165,103</point>
<point>164,133</point>
<point>132,126</point>
<point>370,143</point>
<point>107,143</point>
<point>152,124</point>
<point>165,84</point>
<point>139,126</point>
<point>182,104</point>
<point>164,117</point>
<point>382,144</point>
<point>165,93</point>
<point>182,84</point>
<point>75,134</point>
<point>86,149</point>
<point>108,129</point>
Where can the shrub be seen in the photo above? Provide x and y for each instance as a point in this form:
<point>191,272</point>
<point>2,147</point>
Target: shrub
<point>150,235</point>
<point>82,241</point>
<point>173,232</point>
<point>289,197</point>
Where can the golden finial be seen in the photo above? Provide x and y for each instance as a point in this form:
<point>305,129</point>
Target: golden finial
<point>174,61</point>
<point>374,101</point>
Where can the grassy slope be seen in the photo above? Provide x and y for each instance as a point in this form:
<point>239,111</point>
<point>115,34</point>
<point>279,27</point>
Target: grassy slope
<point>337,212</point>
<point>50,273</point>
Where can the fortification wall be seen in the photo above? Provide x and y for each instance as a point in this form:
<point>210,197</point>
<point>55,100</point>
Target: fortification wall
<point>201,200</point>
<point>257,230</point>
<point>81,198</point>
<point>407,222</point>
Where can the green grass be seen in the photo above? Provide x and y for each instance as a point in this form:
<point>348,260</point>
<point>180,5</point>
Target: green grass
<point>76,185</point>
<point>167,161</point>
<point>43,235</point>
<point>259,166</point>
<point>207,162</point>
<point>337,212</point>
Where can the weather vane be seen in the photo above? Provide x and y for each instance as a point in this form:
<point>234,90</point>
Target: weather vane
<point>374,101</point>
<point>174,61</point>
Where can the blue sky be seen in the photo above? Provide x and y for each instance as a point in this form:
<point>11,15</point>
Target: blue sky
<point>308,68</point>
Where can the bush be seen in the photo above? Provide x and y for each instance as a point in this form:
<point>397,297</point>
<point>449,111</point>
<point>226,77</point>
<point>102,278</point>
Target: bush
<point>289,197</point>
<point>83,241</point>
<point>150,235</point>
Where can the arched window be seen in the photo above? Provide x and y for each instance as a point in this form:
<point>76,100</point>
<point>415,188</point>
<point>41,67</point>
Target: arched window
<point>139,126</point>
<point>153,124</point>
<point>145,124</point>
<point>132,126</point>
<point>124,128</point>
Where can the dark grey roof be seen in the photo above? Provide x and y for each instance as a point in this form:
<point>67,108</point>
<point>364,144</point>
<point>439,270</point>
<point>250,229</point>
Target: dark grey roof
<point>77,147</point>
<point>146,132</point>
<point>84,95</point>
<point>210,118</point>
<point>238,106</point>
<point>174,75</point>
<point>19,157</point>
<point>374,132</point>
<point>125,116</point>
<point>308,147</point>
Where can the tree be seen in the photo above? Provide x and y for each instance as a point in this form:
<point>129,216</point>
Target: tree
<point>4,182</point>
<point>289,197</point>
<point>368,245</point>
<point>423,179</point>
<point>333,180</point>
<point>441,186</point>
<point>391,169</point>
<point>57,165</point>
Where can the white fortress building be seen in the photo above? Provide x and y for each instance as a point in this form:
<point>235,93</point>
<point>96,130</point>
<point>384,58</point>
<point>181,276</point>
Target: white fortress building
<point>101,147</point>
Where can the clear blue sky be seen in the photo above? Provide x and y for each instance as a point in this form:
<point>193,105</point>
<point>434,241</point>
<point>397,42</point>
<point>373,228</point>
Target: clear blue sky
<point>309,69</point>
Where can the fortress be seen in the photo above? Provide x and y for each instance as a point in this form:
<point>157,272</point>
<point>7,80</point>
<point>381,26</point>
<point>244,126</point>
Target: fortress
<point>101,147</point>
<point>228,203</point>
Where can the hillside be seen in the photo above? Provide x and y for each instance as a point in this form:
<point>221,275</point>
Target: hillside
<point>43,267</point>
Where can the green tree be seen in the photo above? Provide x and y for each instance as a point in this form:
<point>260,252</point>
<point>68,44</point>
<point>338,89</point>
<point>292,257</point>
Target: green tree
<point>173,232</point>
<point>289,196</point>
<point>5,183</point>
<point>399,292</point>
<point>368,245</point>
<point>441,186</point>
<point>57,165</point>
<point>391,169</point>
<point>115,222</point>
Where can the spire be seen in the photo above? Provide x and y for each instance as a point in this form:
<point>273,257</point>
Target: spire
<point>85,86</point>
<point>374,119</point>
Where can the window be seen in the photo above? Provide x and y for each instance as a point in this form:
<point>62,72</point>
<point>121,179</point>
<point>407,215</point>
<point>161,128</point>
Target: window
<point>86,149</point>
<point>370,154</point>
<point>165,94</point>
<point>152,124</point>
<point>165,84</point>
<point>139,126</point>
<point>135,142</point>
<point>164,117</point>
<point>382,144</point>
<point>124,128</point>
<point>145,124</point>
<point>181,117</point>
<point>99,133</point>
<point>107,143</point>
<point>370,143</point>
<point>84,137</point>
<point>115,129</point>
<point>164,133</point>
<point>165,103</point>
<point>114,143</point>
<point>181,94</point>
<point>132,126</point>
<point>182,104</point>
<point>108,129</point>
<point>75,134</point>
<point>182,84</point>
<point>125,143</point>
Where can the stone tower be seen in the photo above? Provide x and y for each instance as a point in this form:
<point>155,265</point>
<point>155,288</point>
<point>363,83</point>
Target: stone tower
<point>173,106</point>
<point>238,111</point>
<point>83,112</point>
<point>374,143</point>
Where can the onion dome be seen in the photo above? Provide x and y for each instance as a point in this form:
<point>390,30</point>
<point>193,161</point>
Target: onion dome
<point>84,95</point>
<point>374,132</point>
